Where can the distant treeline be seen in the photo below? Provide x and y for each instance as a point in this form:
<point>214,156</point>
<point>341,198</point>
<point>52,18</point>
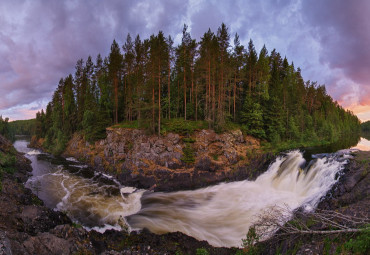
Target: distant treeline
<point>23,127</point>
<point>18,127</point>
<point>365,127</point>
<point>151,81</point>
<point>4,128</point>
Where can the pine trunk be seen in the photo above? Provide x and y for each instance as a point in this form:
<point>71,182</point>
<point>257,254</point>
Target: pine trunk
<point>116,99</point>
<point>159,98</point>
<point>169,90</point>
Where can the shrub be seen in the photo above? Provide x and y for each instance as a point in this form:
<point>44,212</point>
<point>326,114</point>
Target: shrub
<point>182,126</point>
<point>249,243</point>
<point>7,163</point>
<point>360,244</point>
<point>202,251</point>
<point>188,156</point>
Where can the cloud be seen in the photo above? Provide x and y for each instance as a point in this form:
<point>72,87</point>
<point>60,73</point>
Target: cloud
<point>41,40</point>
<point>342,28</point>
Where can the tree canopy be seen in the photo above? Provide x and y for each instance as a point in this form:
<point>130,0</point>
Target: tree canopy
<point>150,81</point>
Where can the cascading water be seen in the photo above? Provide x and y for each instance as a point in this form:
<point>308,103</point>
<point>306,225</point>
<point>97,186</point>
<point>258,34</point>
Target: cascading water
<point>222,214</point>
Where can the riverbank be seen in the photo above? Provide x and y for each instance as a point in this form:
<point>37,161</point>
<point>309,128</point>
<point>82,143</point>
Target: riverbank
<point>28,227</point>
<point>170,242</point>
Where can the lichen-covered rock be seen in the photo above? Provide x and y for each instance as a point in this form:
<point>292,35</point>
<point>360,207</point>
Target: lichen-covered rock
<point>152,159</point>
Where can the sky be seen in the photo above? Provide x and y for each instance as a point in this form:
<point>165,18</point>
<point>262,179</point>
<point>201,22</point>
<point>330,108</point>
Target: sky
<point>41,40</point>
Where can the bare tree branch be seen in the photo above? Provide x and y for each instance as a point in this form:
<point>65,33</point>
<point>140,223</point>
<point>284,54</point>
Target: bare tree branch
<point>280,221</point>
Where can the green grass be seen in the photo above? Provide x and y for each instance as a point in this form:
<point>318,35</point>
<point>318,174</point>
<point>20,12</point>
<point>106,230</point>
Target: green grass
<point>131,124</point>
<point>230,126</point>
<point>181,126</point>
<point>176,125</point>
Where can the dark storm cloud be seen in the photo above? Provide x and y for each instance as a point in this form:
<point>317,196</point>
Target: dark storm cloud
<point>343,28</point>
<point>41,40</point>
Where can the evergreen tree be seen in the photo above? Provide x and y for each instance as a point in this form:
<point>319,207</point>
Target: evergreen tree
<point>114,67</point>
<point>153,81</point>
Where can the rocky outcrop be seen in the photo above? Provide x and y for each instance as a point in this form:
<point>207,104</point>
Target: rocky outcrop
<point>36,142</point>
<point>28,227</point>
<point>157,162</point>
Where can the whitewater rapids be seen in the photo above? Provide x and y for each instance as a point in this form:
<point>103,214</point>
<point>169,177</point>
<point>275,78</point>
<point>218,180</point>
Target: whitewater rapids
<point>222,214</point>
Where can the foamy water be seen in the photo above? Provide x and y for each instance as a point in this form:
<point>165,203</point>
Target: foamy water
<point>222,214</point>
<point>34,152</point>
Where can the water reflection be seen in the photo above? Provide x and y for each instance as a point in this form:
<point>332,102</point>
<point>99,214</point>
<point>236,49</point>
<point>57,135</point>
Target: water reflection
<point>363,145</point>
<point>345,142</point>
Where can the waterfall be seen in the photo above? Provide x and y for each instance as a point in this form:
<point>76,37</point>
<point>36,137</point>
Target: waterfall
<point>222,214</point>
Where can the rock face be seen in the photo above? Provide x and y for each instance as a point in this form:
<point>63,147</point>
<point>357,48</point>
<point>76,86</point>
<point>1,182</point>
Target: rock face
<point>150,161</point>
<point>351,195</point>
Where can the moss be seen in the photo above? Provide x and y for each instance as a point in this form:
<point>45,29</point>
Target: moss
<point>76,225</point>
<point>189,155</point>
<point>364,173</point>
<point>188,140</point>
<point>214,156</point>
<point>130,145</point>
<point>36,201</point>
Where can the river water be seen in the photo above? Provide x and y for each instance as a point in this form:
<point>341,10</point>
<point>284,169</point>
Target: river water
<point>220,214</point>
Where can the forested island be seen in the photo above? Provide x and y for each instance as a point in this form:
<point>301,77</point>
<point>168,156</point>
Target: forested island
<point>154,85</point>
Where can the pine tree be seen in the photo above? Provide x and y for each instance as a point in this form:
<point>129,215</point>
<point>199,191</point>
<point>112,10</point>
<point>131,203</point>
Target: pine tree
<point>114,67</point>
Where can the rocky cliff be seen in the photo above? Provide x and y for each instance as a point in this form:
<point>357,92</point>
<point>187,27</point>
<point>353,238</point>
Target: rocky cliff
<point>172,161</point>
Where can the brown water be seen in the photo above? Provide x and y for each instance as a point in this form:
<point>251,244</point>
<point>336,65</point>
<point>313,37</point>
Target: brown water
<point>89,198</point>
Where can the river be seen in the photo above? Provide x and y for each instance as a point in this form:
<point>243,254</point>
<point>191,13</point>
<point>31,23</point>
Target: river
<point>220,214</point>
